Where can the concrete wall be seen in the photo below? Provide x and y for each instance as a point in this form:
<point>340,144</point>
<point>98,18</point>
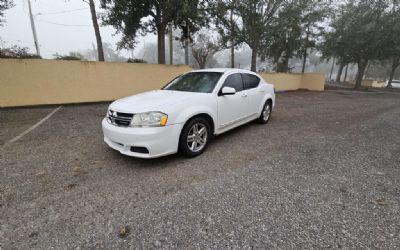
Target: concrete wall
<point>33,82</point>
<point>37,82</point>
<point>282,82</point>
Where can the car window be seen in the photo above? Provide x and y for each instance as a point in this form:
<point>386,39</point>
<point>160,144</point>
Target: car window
<point>234,81</point>
<point>201,82</point>
<point>250,81</point>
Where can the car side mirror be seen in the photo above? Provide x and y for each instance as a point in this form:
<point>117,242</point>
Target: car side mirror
<point>228,91</point>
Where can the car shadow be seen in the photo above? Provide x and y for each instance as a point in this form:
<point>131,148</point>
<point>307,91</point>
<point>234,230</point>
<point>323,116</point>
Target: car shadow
<point>177,158</point>
<point>154,163</point>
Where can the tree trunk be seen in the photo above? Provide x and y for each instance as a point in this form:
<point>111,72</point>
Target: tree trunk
<point>345,73</point>
<point>232,41</point>
<point>395,64</point>
<point>202,63</point>
<point>304,61</point>
<point>161,44</point>
<point>340,71</point>
<point>283,64</point>
<point>362,65</point>
<point>253,60</point>
<point>100,50</point>
<point>305,50</point>
<point>232,57</point>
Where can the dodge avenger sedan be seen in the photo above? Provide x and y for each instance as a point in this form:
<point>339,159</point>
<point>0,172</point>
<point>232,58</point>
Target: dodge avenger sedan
<point>187,112</point>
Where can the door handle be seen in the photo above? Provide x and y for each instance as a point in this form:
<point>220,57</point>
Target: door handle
<point>244,95</point>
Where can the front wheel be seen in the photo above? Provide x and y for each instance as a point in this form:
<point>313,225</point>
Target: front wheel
<point>194,137</point>
<point>265,113</point>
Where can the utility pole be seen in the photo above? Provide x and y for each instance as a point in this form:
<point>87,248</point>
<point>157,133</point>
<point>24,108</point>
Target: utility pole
<point>33,28</point>
<point>171,59</point>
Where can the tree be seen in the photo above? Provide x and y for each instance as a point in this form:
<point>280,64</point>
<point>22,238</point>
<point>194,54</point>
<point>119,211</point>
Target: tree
<point>5,5</point>
<point>204,48</point>
<point>357,34</point>
<point>392,42</point>
<point>257,16</point>
<point>226,20</point>
<point>285,36</point>
<point>100,50</point>
<point>131,17</point>
<point>314,12</point>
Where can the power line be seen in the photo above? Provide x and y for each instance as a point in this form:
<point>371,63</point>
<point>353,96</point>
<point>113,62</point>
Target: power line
<point>63,24</point>
<point>61,12</point>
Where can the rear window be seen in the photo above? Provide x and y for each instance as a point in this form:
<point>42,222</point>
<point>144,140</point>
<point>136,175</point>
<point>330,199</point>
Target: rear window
<point>250,81</point>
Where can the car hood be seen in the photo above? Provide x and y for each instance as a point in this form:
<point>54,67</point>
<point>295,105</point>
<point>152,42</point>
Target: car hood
<point>150,101</point>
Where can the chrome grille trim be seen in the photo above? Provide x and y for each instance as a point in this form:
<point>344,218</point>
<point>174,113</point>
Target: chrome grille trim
<point>119,118</point>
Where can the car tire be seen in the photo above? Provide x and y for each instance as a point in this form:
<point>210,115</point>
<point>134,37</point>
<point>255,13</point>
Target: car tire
<point>266,113</point>
<point>194,137</point>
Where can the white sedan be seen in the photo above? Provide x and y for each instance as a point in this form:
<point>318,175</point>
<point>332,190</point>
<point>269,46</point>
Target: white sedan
<point>185,114</point>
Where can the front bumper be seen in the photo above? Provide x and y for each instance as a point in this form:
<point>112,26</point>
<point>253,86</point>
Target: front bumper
<point>159,141</point>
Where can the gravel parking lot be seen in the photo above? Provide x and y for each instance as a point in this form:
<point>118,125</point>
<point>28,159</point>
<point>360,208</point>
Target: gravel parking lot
<point>324,173</point>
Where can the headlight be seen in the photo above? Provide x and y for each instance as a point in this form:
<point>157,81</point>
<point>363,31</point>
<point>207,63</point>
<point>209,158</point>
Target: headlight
<point>149,119</point>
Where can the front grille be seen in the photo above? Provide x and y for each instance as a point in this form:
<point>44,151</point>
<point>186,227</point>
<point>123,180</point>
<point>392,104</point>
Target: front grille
<point>119,118</point>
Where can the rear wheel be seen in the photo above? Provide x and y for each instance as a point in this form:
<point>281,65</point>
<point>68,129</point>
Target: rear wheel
<point>194,137</point>
<point>265,113</point>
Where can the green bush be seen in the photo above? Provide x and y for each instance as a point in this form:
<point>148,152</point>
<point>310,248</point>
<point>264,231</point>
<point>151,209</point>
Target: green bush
<point>16,52</point>
<point>135,60</point>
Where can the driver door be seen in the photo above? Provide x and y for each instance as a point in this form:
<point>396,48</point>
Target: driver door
<point>232,108</point>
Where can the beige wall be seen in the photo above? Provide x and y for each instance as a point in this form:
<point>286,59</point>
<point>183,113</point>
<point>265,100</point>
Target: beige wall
<point>309,81</point>
<point>36,82</point>
<point>33,82</point>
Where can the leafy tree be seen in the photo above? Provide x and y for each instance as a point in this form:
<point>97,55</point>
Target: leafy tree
<point>204,48</point>
<point>131,17</point>
<point>225,13</point>
<point>314,13</point>
<point>392,41</point>
<point>285,36</point>
<point>295,31</point>
<point>5,5</point>
<point>257,17</point>
<point>357,34</point>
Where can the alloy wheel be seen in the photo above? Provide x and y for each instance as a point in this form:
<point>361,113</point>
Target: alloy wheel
<point>197,137</point>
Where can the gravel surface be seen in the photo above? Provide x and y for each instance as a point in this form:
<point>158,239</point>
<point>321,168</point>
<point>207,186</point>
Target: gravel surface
<point>324,173</point>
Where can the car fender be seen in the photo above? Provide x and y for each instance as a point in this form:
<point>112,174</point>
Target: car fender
<point>190,112</point>
<point>265,98</point>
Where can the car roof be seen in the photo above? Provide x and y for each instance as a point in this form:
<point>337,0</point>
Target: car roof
<point>224,70</point>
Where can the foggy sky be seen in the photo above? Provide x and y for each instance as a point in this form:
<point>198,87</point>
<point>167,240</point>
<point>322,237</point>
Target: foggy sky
<point>62,26</point>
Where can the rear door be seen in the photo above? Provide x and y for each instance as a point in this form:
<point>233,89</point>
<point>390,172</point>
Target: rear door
<point>254,94</point>
<point>232,108</point>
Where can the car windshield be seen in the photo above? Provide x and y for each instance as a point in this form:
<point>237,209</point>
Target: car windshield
<point>201,82</point>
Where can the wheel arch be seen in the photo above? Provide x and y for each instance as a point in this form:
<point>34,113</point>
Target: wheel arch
<point>267,98</point>
<point>204,115</point>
